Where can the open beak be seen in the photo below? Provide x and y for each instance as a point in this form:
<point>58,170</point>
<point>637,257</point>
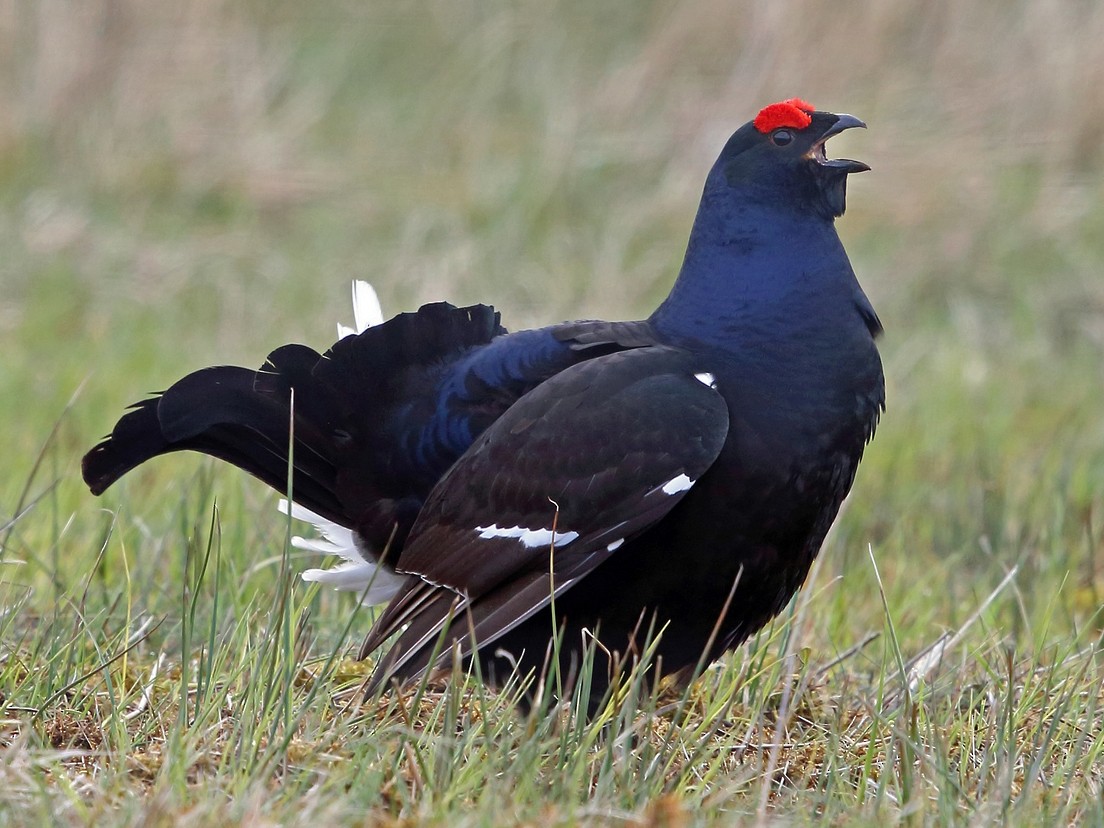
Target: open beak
<point>843,165</point>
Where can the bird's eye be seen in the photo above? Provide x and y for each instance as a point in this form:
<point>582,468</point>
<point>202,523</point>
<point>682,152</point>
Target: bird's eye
<point>781,137</point>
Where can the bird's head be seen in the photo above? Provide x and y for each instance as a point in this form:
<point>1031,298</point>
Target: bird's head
<point>779,157</point>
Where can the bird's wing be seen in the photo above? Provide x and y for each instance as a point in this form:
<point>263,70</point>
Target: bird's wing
<point>582,463</point>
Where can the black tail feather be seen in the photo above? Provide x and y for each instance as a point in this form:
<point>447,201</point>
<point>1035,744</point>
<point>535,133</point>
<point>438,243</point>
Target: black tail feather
<point>216,411</point>
<point>136,438</point>
<point>349,405</point>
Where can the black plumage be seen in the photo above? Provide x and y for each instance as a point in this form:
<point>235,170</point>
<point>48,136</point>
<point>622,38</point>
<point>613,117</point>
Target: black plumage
<point>634,471</point>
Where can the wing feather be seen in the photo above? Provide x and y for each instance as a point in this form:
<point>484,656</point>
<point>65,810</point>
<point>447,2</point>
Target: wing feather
<point>593,456</point>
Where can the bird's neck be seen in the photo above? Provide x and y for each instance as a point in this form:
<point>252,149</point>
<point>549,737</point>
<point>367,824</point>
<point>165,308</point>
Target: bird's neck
<point>752,271</point>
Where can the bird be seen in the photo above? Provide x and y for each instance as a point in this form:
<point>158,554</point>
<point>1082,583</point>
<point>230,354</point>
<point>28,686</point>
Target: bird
<point>597,483</point>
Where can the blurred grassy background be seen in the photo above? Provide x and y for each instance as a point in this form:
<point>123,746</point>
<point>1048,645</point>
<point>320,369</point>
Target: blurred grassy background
<point>197,182</point>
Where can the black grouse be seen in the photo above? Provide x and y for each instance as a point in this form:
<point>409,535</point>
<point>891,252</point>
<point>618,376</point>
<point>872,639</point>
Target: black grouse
<point>677,473</point>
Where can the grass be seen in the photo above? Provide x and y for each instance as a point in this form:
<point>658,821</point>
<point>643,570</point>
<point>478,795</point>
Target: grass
<point>182,185</point>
